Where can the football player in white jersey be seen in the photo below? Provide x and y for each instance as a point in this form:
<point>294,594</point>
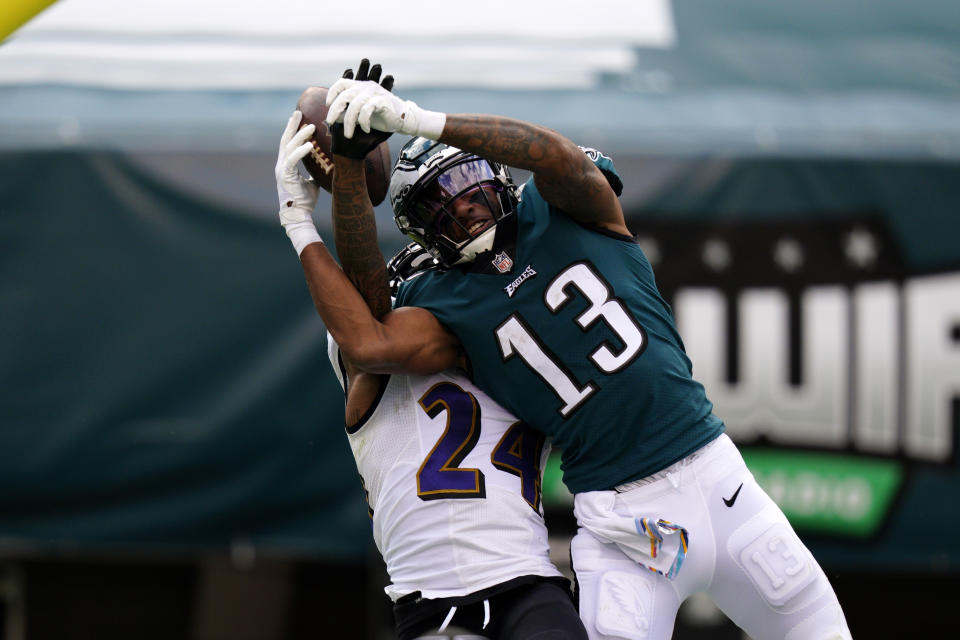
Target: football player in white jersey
<point>452,479</point>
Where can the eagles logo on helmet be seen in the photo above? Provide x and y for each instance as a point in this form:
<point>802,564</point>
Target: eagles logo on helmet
<point>427,178</point>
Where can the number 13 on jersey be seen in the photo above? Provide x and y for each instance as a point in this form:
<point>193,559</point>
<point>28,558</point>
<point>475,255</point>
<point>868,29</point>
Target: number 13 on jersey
<point>515,337</point>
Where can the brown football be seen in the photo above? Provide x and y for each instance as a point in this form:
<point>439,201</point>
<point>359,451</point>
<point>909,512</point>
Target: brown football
<point>313,105</point>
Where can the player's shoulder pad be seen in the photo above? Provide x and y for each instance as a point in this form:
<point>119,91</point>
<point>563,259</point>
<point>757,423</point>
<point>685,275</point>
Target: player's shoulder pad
<point>605,164</point>
<point>408,289</point>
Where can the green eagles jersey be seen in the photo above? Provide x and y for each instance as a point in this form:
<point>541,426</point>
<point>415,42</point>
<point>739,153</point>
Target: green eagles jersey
<point>577,342</point>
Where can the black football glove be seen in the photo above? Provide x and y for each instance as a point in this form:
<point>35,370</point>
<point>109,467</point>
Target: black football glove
<point>361,143</point>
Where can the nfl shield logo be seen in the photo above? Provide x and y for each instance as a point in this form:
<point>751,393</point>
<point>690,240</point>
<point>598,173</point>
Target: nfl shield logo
<point>502,262</point>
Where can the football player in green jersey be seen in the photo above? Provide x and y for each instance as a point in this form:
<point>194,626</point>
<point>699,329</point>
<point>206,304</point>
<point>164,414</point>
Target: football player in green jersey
<point>544,297</point>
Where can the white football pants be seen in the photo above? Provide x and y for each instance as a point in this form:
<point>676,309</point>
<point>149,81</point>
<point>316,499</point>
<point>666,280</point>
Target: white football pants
<point>745,556</point>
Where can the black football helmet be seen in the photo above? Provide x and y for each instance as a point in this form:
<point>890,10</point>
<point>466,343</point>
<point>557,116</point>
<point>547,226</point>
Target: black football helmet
<point>428,177</point>
<point>410,261</point>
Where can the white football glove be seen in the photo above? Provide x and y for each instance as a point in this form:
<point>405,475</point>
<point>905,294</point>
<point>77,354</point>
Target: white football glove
<point>372,107</point>
<point>297,195</point>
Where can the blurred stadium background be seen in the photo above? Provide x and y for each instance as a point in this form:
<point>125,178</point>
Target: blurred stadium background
<point>172,463</point>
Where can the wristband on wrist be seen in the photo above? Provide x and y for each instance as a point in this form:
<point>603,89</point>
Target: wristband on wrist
<point>298,223</point>
<point>431,124</point>
<point>302,234</point>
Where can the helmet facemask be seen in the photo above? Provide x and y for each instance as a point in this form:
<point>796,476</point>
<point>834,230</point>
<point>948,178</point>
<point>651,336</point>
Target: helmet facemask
<point>453,208</point>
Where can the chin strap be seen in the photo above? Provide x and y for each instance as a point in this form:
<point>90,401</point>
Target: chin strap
<point>483,242</point>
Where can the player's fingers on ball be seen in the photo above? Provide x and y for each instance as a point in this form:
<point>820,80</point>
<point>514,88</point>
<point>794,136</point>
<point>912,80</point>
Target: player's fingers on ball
<point>375,72</point>
<point>348,74</point>
<point>301,137</point>
<point>291,127</point>
<point>299,153</point>
<point>387,83</point>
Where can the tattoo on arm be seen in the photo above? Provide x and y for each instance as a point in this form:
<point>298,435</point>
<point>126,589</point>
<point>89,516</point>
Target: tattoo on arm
<point>563,172</point>
<point>355,237</point>
<point>565,176</point>
<point>512,142</point>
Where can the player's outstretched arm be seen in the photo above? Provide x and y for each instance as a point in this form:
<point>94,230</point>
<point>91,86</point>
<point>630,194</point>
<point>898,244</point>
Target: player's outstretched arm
<point>355,235</point>
<point>406,340</point>
<point>564,176</point>
<point>416,343</point>
<point>354,225</point>
<point>356,310</point>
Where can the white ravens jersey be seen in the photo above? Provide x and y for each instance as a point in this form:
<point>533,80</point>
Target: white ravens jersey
<point>453,484</point>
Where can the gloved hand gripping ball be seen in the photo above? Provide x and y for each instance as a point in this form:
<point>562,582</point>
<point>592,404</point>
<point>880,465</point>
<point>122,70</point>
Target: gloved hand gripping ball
<point>319,162</point>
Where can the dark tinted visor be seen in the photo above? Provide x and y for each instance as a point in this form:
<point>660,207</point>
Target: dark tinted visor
<point>439,192</point>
